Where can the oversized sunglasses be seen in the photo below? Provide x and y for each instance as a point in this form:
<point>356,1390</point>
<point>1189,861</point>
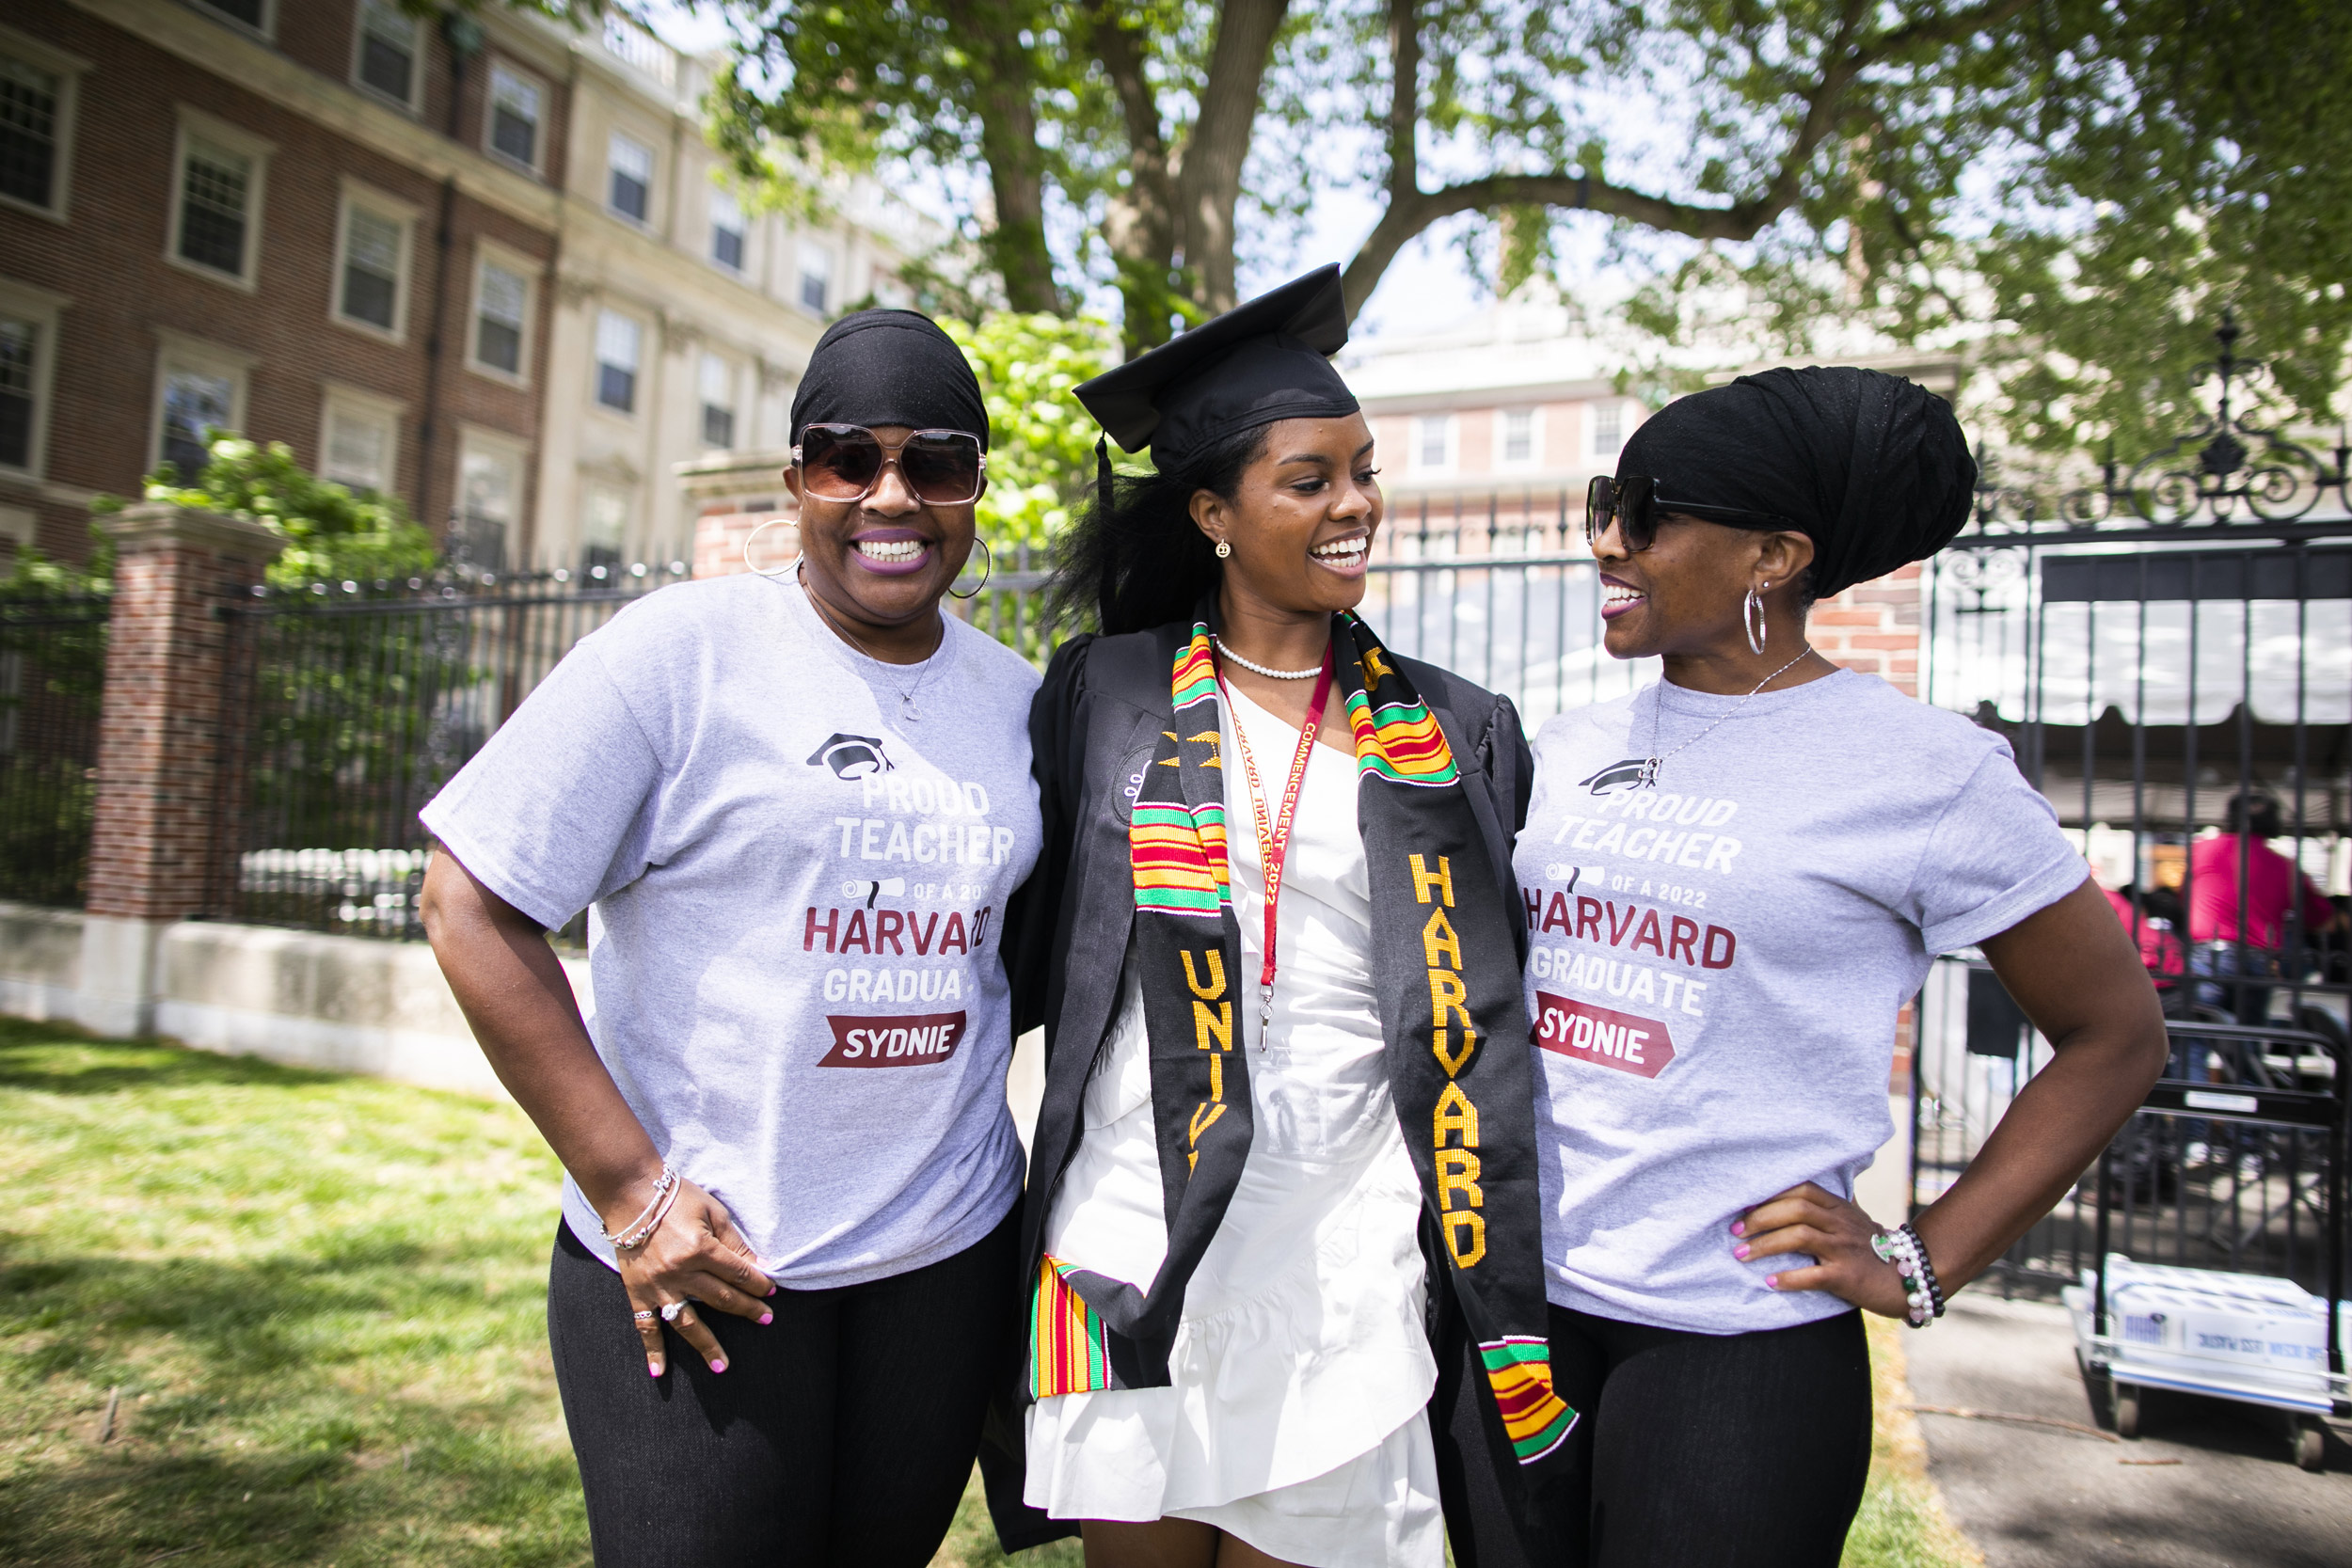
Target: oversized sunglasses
<point>844,463</point>
<point>1634,505</point>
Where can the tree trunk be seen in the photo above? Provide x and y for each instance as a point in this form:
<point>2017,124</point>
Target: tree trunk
<point>1006,97</point>
<point>1209,186</point>
<point>1141,225</point>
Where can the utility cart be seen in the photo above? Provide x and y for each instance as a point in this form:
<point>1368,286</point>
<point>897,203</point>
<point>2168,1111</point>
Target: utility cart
<point>2220,1235</point>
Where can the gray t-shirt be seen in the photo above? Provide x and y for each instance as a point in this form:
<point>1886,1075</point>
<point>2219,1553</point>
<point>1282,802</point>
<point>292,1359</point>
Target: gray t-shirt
<point>795,898</point>
<point>1715,965</point>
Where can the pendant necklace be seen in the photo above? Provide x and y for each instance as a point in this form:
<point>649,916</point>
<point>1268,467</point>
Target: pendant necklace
<point>1650,764</point>
<point>908,712</point>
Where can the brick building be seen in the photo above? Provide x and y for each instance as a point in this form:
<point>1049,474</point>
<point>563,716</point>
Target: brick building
<point>368,235</point>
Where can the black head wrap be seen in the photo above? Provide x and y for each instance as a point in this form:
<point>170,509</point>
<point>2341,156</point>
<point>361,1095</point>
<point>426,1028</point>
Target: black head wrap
<point>1869,467</point>
<point>889,367</point>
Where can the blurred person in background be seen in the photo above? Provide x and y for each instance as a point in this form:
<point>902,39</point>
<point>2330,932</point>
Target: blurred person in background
<point>2243,898</point>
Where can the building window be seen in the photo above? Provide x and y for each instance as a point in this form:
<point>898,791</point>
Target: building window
<point>603,525</point>
<point>1433,441</point>
<point>631,163</point>
<point>815,278</point>
<point>489,499</point>
<point>375,262</point>
<point>1608,428</point>
<point>20,348</point>
<point>356,446</point>
<point>30,100</point>
<point>515,117</point>
<point>252,13</point>
<point>387,51</point>
<point>216,205</point>
<point>718,396</point>
<point>502,312</point>
<point>726,230</point>
<point>195,403</point>
<point>618,341</point>
<point>1518,435</point>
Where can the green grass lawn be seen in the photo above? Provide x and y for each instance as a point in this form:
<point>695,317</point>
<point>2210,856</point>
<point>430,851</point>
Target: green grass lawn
<point>319,1304</point>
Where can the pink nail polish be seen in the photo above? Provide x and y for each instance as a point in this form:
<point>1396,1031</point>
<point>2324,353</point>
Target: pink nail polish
<point>1740,1252</point>
<point>1738,1227</point>
<point>767,1318</point>
<point>1771,1281</point>
<point>652,1371</point>
<point>718,1365</point>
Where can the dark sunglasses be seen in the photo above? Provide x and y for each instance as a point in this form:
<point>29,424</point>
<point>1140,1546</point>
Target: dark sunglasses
<point>844,463</point>
<point>1634,505</point>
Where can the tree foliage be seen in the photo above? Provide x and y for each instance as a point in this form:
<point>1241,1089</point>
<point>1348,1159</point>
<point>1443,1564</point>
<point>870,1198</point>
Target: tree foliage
<point>332,532</point>
<point>1040,444</point>
<point>2087,181</point>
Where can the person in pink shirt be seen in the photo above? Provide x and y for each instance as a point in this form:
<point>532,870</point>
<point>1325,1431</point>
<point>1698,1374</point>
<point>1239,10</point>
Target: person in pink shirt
<point>2242,896</point>
<point>2159,944</point>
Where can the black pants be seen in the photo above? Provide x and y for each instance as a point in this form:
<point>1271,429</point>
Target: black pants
<point>841,1434</point>
<point>1693,1450</point>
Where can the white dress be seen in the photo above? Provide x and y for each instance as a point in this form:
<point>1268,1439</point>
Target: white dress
<point>1296,1417</point>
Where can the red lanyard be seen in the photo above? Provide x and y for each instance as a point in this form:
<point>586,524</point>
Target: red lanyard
<point>1274,843</point>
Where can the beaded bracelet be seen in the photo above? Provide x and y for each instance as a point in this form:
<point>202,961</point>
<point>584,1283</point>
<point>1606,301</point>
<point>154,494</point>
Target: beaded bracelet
<point>1922,1293</point>
<point>649,1219</point>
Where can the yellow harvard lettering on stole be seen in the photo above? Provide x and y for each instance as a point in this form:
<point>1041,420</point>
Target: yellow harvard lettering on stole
<point>1211,1031</point>
<point>1454,1123</point>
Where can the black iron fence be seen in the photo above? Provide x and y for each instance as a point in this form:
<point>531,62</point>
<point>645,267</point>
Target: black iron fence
<point>52,674</point>
<point>348,706</point>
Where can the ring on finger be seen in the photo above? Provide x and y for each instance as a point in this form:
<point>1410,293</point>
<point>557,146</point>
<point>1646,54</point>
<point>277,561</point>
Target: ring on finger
<point>646,1316</point>
<point>670,1310</point>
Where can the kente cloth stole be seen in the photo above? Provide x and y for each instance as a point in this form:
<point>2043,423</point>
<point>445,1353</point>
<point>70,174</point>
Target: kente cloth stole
<point>1448,987</point>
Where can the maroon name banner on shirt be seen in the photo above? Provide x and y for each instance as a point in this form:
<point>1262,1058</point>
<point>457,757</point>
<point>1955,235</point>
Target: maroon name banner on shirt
<point>901,1041</point>
<point>1640,1046</point>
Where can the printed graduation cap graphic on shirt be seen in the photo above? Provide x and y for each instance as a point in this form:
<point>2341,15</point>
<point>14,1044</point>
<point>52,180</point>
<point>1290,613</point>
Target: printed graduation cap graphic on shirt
<point>850,756</point>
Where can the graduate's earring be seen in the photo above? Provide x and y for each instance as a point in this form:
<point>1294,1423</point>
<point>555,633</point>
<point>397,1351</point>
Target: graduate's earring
<point>1224,549</point>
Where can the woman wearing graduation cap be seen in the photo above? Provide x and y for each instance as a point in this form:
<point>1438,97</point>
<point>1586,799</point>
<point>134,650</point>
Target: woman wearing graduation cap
<point>1282,1217</point>
<point>1736,878</point>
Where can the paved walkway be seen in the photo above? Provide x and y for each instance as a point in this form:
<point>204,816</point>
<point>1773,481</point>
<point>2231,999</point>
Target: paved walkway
<point>2036,1497</point>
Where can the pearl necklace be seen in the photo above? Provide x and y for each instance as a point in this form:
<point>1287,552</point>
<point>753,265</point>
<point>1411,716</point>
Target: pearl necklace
<point>1261,670</point>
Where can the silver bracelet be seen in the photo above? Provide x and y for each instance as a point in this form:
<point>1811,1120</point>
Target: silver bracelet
<point>634,1233</point>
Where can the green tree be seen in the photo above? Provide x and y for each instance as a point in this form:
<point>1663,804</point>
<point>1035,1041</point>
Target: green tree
<point>1040,444</point>
<point>2084,178</point>
<point>333,532</point>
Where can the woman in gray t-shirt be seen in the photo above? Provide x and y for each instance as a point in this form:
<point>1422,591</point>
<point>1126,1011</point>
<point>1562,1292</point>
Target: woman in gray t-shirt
<point>1734,879</point>
<point>796,807</point>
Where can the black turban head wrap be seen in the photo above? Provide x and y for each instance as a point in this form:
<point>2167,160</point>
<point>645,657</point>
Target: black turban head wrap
<point>886,368</point>
<point>1869,467</point>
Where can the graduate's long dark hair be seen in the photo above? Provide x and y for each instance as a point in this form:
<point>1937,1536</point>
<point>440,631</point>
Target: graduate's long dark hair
<point>1142,561</point>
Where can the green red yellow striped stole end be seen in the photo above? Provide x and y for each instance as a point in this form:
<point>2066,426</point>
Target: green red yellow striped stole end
<point>1536,1419</point>
<point>1177,856</point>
<point>1399,742</point>
<point>1068,1354</point>
<point>1196,671</point>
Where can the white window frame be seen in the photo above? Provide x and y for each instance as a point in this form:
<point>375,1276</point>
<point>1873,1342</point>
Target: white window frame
<point>733,375</point>
<point>181,351</point>
<point>588,490</point>
<point>613,137</point>
<point>538,84</point>
<point>43,309</point>
<point>489,253</point>
<point>637,372</point>
<point>266,31</point>
<point>515,452</point>
<point>807,249</point>
<point>1451,428</point>
<point>1593,412</point>
<point>742,230</point>
<point>420,50</point>
<point>360,404</point>
<point>1535,417</point>
<point>196,125</point>
<point>69,70</point>
<point>393,211</point>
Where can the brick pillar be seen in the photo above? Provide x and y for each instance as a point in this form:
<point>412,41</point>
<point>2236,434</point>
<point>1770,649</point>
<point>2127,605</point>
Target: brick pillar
<point>1873,627</point>
<point>152,842</point>
<point>719,542</point>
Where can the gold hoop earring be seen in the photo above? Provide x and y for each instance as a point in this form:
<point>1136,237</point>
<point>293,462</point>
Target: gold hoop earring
<point>1224,549</point>
<point>770,571</point>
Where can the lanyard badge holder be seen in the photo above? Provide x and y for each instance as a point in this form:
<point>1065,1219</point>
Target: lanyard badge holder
<point>1274,841</point>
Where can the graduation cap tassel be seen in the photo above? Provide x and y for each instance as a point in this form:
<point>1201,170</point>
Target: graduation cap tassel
<point>1103,474</point>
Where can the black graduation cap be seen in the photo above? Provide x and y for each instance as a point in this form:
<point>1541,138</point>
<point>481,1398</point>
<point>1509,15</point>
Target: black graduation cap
<point>1260,362</point>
